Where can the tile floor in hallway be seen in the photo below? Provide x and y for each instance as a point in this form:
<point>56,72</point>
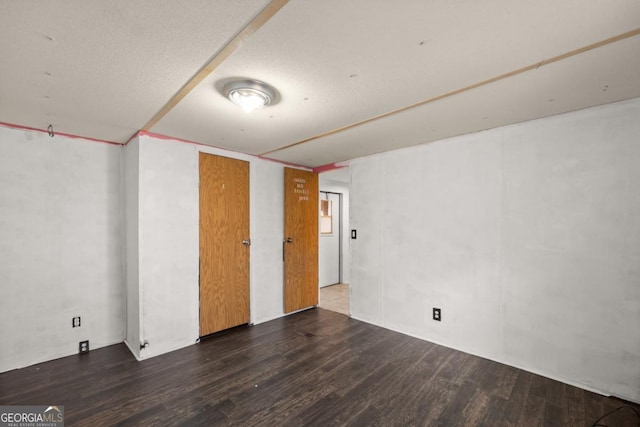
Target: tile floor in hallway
<point>335,298</point>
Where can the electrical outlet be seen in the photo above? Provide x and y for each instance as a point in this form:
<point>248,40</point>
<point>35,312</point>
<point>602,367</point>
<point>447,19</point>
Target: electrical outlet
<point>75,322</point>
<point>436,314</point>
<point>354,234</point>
<point>83,347</point>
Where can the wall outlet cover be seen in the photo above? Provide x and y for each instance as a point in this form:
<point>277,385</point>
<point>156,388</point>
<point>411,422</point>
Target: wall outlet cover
<point>437,314</point>
<point>83,347</point>
<point>75,322</point>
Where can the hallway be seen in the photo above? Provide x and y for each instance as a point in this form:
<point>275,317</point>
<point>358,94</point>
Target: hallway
<point>335,298</point>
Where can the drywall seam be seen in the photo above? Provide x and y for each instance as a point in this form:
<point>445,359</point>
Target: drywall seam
<point>500,263</point>
<point>330,166</point>
<point>68,135</point>
<point>141,251</point>
<point>123,242</point>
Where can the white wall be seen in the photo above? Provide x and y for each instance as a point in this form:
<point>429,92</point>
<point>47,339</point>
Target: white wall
<point>61,244</point>
<point>111,234</point>
<point>168,255</point>
<point>527,237</point>
<point>169,241</point>
<point>130,193</point>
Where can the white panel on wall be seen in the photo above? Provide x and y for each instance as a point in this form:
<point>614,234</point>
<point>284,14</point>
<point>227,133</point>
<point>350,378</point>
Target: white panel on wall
<point>130,193</point>
<point>267,232</point>
<point>365,218</point>
<point>569,187</point>
<point>527,237</point>
<point>61,242</point>
<point>169,252</point>
<point>441,238</point>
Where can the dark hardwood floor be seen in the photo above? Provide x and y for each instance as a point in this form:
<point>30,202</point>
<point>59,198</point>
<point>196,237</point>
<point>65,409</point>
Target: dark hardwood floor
<point>316,368</point>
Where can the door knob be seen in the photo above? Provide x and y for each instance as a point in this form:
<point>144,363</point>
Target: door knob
<point>247,242</point>
<point>289,240</point>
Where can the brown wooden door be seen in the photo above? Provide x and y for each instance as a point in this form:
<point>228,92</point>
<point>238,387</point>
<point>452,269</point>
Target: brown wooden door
<point>300,239</point>
<point>224,243</point>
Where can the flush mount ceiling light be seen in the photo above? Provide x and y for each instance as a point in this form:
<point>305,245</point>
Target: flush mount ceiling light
<point>249,94</point>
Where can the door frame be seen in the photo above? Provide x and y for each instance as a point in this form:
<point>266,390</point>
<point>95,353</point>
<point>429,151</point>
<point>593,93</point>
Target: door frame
<point>340,249</point>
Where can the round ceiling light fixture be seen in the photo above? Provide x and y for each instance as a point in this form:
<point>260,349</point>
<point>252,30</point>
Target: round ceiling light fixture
<point>249,94</point>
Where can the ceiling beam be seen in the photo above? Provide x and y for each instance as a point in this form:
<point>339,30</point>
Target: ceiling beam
<point>235,43</point>
<point>535,66</point>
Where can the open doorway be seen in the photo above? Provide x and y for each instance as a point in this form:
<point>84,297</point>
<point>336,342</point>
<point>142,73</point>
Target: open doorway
<point>329,245</point>
<point>333,240</point>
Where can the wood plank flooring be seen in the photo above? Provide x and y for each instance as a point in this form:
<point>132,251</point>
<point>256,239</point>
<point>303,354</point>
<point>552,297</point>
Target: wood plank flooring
<point>315,368</point>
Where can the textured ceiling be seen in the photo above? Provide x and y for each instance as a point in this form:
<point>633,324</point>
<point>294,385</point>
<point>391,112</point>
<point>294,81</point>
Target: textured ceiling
<point>102,69</point>
<point>461,66</point>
